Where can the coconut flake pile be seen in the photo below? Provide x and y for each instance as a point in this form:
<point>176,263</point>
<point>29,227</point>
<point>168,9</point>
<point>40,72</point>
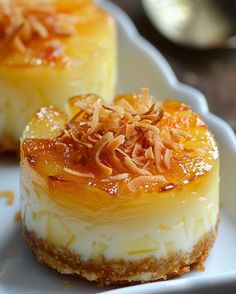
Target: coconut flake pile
<point>121,141</point>
<point>20,22</point>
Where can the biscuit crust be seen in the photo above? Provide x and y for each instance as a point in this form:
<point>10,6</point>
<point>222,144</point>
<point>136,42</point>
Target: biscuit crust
<point>112,272</point>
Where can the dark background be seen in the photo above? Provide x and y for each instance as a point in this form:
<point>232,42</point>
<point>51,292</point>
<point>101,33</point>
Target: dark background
<point>213,72</point>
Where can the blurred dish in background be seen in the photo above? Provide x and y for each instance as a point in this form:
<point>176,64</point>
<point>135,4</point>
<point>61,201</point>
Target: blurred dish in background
<point>196,23</point>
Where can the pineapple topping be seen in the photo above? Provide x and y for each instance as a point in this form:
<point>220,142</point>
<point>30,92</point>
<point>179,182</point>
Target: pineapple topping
<point>21,22</point>
<point>135,143</point>
<point>123,137</point>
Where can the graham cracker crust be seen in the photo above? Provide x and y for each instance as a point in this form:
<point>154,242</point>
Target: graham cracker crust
<point>106,272</point>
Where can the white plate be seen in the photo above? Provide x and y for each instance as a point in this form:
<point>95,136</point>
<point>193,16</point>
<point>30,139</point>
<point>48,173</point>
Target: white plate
<point>139,65</point>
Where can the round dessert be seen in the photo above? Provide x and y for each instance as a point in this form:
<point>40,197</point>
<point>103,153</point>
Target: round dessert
<point>51,50</point>
<point>120,193</point>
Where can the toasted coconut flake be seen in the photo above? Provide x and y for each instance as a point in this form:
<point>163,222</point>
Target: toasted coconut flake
<point>168,140</point>
<point>77,173</point>
<point>128,118</point>
<point>129,163</point>
<point>140,161</point>
<point>9,195</point>
<point>146,164</point>
<point>84,107</point>
<point>10,38</point>
<point>111,148</point>
<point>149,153</point>
<point>151,110</point>
<point>165,134</point>
<point>150,138</point>
<point>87,103</point>
<point>118,177</point>
<point>92,139</point>
<point>137,150</point>
<point>26,32</point>
<point>167,158</point>
<point>19,45</point>
<point>127,106</point>
<point>95,153</point>
<point>159,117</point>
<point>132,141</point>
<point>115,108</point>
<point>172,145</point>
<point>95,119</point>
<point>76,139</point>
<point>150,117</point>
<point>146,126</point>
<point>157,153</point>
<point>38,27</point>
<point>143,181</point>
<point>130,130</point>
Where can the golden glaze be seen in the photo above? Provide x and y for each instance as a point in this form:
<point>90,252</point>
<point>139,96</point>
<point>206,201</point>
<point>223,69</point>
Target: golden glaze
<point>91,25</point>
<point>197,157</point>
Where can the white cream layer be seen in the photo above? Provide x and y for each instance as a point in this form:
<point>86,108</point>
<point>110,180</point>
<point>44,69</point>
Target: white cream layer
<point>158,236</point>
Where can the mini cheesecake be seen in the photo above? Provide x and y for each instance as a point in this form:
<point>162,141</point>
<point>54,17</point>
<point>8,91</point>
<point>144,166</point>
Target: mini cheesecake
<point>49,51</point>
<point>120,193</point>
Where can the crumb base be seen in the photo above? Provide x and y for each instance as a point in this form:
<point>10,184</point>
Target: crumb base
<point>106,272</point>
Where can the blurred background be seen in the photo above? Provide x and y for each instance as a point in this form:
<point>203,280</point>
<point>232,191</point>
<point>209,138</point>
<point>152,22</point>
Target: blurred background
<point>198,39</point>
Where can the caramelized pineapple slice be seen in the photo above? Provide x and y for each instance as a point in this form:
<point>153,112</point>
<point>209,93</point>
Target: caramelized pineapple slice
<point>153,146</point>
